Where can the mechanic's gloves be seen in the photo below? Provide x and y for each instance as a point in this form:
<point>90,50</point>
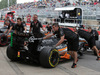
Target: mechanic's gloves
<point>54,47</point>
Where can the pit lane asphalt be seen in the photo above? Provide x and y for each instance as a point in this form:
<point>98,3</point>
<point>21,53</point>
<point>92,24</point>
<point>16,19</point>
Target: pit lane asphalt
<point>87,65</point>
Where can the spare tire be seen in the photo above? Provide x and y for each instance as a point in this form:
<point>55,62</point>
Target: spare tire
<point>11,53</point>
<point>49,58</point>
<point>3,39</point>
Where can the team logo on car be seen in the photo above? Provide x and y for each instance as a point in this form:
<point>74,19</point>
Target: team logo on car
<point>31,39</point>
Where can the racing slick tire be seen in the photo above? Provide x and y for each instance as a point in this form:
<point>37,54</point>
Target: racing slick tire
<point>3,39</point>
<point>98,47</point>
<point>11,53</point>
<point>49,58</point>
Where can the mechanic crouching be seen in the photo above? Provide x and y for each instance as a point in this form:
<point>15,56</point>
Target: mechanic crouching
<point>90,38</point>
<point>94,33</point>
<point>72,38</point>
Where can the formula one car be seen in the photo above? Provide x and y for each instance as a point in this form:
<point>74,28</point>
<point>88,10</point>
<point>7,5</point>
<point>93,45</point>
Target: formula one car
<point>36,50</point>
<point>39,51</point>
<point>4,39</point>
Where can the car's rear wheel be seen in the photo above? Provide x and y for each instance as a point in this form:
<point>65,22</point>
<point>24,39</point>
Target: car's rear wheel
<point>49,58</point>
<point>11,53</point>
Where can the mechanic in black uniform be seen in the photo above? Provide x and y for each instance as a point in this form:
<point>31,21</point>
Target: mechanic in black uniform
<point>49,28</point>
<point>75,30</point>
<point>35,27</point>
<point>90,39</point>
<point>19,26</point>
<point>5,22</point>
<point>72,38</point>
<point>94,33</point>
<point>9,24</point>
<point>24,23</point>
